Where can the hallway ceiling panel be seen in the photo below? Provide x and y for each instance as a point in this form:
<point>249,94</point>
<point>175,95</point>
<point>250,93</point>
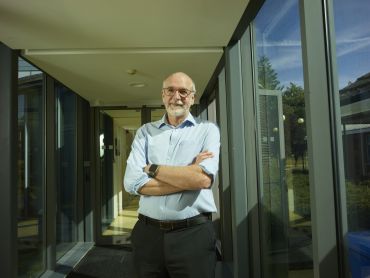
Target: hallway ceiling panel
<point>89,44</point>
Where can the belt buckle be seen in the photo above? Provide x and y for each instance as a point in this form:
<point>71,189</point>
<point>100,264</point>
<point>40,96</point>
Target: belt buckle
<point>167,226</point>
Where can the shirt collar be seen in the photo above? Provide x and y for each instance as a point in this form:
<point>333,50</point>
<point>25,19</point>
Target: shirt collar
<point>188,120</point>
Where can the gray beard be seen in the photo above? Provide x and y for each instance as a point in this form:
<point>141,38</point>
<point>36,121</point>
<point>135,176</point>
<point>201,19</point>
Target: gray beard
<point>176,112</point>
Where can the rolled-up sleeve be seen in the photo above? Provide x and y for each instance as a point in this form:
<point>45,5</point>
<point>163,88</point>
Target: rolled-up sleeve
<point>211,144</point>
<point>135,177</point>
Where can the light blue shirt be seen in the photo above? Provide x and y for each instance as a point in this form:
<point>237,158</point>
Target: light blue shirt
<point>163,144</point>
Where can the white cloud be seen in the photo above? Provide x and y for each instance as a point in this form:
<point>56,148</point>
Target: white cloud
<point>352,32</point>
<point>283,43</point>
<point>288,59</point>
<point>348,46</point>
<point>352,39</point>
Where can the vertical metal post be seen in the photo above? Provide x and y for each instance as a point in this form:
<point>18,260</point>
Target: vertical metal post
<point>50,172</point>
<point>321,165</point>
<point>8,162</point>
<point>145,115</point>
<point>237,161</point>
<point>250,121</point>
<point>226,223</point>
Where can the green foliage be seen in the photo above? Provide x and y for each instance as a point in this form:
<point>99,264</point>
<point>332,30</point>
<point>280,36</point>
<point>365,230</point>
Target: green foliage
<point>267,76</point>
<point>294,124</point>
<point>301,189</point>
<point>293,101</point>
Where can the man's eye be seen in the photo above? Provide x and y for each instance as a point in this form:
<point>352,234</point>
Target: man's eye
<point>171,90</point>
<point>183,92</point>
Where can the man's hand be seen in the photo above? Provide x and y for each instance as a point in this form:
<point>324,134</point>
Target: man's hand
<point>202,156</point>
<point>178,178</point>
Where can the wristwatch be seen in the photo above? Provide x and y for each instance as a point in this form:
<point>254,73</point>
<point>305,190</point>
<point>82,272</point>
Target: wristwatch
<point>153,170</point>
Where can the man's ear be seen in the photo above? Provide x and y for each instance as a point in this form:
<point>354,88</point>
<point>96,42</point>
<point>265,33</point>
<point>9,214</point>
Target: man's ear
<point>193,99</point>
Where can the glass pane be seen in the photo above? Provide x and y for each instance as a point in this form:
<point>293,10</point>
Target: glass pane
<point>353,62</point>
<point>31,205</point>
<point>66,221</point>
<point>118,208</point>
<point>283,180</point>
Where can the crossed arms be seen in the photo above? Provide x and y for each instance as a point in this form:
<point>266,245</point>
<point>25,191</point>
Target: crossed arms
<point>170,179</point>
<point>173,179</point>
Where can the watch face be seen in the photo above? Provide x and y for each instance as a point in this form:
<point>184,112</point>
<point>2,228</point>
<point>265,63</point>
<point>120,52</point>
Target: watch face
<point>153,170</point>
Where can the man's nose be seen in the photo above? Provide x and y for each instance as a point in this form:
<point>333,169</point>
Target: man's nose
<point>177,94</point>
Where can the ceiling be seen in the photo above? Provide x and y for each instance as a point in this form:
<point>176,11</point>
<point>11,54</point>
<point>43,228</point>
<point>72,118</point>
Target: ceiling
<point>89,46</point>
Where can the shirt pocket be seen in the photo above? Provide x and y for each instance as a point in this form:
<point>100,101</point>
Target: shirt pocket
<point>187,150</point>
<point>158,148</point>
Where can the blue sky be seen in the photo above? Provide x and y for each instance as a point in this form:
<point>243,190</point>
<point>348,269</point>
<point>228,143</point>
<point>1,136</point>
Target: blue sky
<point>278,37</point>
<point>352,28</point>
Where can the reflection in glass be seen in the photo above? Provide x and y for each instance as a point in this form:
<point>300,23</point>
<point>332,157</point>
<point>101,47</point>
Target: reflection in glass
<point>283,180</point>
<point>66,169</point>
<point>353,61</point>
<point>30,189</point>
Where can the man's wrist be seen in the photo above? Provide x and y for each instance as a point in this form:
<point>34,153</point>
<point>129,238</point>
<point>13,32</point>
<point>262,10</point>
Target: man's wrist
<point>152,170</point>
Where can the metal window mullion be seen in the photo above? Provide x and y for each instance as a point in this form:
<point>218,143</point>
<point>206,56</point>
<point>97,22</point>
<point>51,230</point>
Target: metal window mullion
<point>98,237</point>
<point>318,124</point>
<point>92,218</point>
<point>80,168</point>
<point>50,172</point>
<point>225,198</point>
<point>8,162</point>
<point>251,150</point>
<point>337,140</point>
<point>237,161</point>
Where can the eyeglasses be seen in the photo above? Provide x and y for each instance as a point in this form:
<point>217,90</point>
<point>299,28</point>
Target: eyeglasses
<point>183,92</point>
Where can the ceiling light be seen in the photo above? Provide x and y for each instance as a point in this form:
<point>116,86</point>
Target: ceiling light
<point>137,85</point>
<point>131,71</point>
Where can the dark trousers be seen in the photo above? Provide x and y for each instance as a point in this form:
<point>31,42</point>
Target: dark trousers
<point>183,253</point>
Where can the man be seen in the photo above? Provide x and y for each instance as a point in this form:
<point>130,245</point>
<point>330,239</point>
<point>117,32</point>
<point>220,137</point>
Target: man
<point>172,165</point>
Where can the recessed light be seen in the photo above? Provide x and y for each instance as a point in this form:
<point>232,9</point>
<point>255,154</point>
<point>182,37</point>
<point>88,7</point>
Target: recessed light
<point>131,71</point>
<point>137,85</point>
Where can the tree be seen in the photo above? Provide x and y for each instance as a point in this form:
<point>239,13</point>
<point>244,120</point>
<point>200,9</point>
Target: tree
<point>294,124</point>
<point>267,76</point>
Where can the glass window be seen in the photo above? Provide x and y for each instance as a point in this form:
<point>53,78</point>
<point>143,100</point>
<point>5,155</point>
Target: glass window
<point>352,34</point>
<point>283,168</point>
<point>66,219</point>
<point>30,188</point>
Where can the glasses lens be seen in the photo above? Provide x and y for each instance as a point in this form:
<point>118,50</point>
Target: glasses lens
<point>170,91</point>
<point>183,92</point>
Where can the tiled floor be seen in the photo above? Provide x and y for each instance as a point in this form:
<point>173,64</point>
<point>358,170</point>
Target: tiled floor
<point>122,225</point>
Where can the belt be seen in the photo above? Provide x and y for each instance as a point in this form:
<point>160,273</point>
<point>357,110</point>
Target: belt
<point>168,225</point>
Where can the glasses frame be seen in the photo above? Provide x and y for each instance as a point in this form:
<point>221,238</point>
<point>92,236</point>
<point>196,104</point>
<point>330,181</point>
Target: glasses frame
<point>188,92</point>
